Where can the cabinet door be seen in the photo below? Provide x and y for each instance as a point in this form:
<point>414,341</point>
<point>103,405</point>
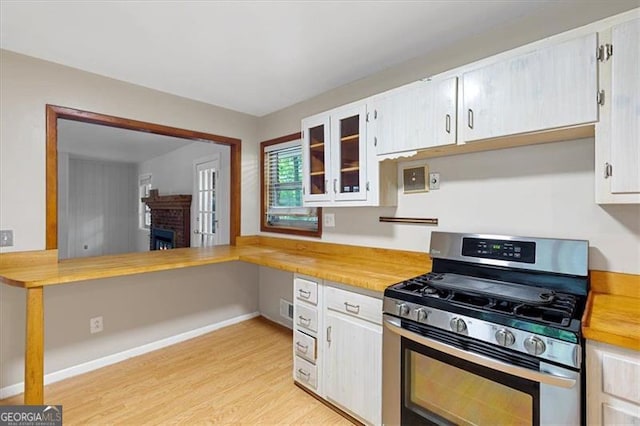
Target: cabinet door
<point>625,108</point>
<point>353,366</point>
<point>549,88</point>
<point>348,134</point>
<point>416,116</point>
<point>316,155</point>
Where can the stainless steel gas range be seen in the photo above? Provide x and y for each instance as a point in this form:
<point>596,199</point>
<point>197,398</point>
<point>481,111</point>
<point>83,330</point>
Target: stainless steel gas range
<point>490,336</point>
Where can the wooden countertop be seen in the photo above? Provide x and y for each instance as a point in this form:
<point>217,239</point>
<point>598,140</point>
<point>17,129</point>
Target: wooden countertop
<point>612,314</point>
<point>613,310</point>
<point>369,268</point>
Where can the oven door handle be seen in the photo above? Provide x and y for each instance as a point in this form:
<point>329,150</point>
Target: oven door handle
<point>525,373</point>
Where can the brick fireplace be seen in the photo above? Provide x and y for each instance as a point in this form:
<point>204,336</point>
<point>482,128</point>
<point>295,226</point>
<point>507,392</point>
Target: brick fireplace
<point>170,214</point>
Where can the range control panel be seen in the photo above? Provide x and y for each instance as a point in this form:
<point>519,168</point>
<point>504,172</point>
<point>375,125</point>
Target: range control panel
<point>513,251</point>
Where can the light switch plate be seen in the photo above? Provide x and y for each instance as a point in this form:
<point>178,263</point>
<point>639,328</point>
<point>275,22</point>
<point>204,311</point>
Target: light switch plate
<point>434,181</point>
<point>329,220</point>
<point>6,238</point>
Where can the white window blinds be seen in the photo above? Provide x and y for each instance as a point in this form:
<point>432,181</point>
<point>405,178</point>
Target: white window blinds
<point>283,180</point>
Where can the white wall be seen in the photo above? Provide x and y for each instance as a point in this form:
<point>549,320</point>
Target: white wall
<point>173,173</point>
<point>100,208</point>
<point>141,308</point>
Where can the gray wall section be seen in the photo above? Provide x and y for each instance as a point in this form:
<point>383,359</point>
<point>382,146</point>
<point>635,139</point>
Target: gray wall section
<point>273,286</point>
<point>165,303</point>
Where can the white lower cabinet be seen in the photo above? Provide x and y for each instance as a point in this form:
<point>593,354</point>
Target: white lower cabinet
<point>353,366</point>
<point>340,356</point>
<point>613,394</point>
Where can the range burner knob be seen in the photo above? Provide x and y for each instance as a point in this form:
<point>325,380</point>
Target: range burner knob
<point>421,314</point>
<point>505,338</point>
<point>534,345</point>
<point>403,309</point>
<point>458,325</point>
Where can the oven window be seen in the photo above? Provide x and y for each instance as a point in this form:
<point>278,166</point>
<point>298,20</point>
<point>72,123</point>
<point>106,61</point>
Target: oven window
<point>464,398</point>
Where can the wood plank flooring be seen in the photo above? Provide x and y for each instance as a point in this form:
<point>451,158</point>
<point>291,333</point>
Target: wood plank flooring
<point>237,375</point>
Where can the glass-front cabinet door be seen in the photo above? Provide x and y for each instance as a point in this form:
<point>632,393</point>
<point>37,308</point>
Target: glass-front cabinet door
<point>349,155</point>
<point>316,158</point>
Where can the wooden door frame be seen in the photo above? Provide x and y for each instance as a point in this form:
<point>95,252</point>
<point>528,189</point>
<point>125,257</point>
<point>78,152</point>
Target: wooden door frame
<point>53,113</point>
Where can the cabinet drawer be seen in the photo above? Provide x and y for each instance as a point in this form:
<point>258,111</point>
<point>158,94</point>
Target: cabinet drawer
<point>616,377</point>
<point>354,304</point>
<point>307,318</point>
<point>306,290</point>
<point>304,346</point>
<point>305,372</point>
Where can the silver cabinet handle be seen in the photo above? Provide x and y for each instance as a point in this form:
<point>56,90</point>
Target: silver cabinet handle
<point>302,348</point>
<point>608,169</point>
<point>304,320</point>
<point>329,334</point>
<point>304,374</point>
<point>326,186</point>
<point>354,309</point>
<point>447,123</point>
<point>470,118</point>
<point>335,189</point>
<point>563,382</point>
<point>305,294</point>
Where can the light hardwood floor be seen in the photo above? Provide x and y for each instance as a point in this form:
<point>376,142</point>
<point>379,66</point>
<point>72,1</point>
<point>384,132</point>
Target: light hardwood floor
<point>237,375</point>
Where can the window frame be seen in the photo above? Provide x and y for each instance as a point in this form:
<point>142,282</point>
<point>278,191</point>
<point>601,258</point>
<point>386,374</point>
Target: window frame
<point>264,226</point>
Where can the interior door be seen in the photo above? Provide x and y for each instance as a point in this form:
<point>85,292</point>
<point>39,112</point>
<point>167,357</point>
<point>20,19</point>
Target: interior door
<point>206,199</point>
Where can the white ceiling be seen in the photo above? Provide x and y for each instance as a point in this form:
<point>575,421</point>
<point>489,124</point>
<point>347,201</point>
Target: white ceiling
<point>260,56</point>
<point>113,144</point>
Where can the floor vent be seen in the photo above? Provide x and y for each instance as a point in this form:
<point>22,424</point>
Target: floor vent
<point>286,309</point>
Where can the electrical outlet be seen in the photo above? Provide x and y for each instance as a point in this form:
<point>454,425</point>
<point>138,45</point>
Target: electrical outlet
<point>6,238</point>
<point>95,325</point>
<point>329,220</point>
<point>434,181</point>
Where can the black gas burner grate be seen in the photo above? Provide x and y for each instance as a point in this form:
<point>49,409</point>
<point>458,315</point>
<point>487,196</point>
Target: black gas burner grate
<point>559,311</point>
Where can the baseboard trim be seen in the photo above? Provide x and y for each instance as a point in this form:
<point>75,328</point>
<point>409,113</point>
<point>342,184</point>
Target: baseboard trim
<point>85,367</point>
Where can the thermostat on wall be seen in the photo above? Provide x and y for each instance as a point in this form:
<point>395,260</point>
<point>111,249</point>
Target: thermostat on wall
<point>415,179</point>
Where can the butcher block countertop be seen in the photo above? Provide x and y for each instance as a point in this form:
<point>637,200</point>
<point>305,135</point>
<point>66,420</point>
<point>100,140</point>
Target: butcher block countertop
<point>368,268</point>
<point>613,310</point>
<point>612,314</point>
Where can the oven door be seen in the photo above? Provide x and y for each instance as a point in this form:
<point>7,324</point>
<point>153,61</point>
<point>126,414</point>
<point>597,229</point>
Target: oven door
<point>447,379</point>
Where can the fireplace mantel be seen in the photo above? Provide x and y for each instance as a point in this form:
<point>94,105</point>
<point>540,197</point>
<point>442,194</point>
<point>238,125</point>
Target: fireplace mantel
<point>156,201</point>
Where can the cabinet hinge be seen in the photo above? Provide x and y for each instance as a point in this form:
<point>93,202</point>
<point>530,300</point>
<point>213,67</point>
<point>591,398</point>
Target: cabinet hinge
<point>604,52</point>
<point>367,117</point>
<point>608,170</point>
<point>367,186</point>
<point>600,98</point>
<point>375,114</point>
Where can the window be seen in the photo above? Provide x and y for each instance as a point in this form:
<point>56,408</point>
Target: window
<point>282,210</point>
<point>144,212</point>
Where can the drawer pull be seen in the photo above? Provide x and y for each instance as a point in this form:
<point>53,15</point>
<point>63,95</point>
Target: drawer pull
<point>304,320</point>
<point>354,309</point>
<point>302,348</point>
<point>304,374</point>
<point>305,294</point>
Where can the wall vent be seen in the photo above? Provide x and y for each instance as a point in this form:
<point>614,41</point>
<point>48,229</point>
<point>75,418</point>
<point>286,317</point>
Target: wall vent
<point>286,309</point>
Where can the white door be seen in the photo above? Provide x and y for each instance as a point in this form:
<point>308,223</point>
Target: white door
<point>206,200</point>
<point>548,88</point>
<point>353,365</point>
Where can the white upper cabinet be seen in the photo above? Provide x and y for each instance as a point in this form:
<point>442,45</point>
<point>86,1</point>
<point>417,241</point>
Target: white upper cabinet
<point>417,116</point>
<point>549,88</point>
<point>618,133</point>
<point>340,167</point>
<point>349,152</point>
<point>316,155</point>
